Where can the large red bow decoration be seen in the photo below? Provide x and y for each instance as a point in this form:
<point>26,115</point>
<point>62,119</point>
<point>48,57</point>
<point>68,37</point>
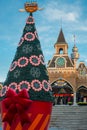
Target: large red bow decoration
<point>16,104</point>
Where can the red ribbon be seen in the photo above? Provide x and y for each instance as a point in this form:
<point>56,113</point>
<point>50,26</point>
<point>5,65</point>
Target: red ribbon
<point>16,104</point>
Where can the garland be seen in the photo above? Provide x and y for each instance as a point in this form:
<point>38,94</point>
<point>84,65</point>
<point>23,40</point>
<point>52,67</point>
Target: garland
<point>45,85</point>
<point>34,60</point>
<point>3,91</point>
<point>13,65</point>
<point>29,36</point>
<point>22,62</point>
<point>36,85</point>
<point>21,41</point>
<point>24,84</point>
<point>13,86</point>
<point>42,59</point>
<point>30,20</point>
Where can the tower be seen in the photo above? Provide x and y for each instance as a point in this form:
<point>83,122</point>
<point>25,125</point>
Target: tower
<point>60,58</point>
<point>61,46</point>
<point>75,54</point>
<point>61,70</point>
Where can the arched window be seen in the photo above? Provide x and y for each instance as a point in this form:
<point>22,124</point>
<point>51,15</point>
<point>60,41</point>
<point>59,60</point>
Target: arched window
<point>63,92</point>
<point>82,94</point>
<point>60,51</point>
<point>82,69</point>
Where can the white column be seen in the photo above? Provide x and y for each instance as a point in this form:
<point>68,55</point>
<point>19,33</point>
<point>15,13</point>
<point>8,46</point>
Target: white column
<point>74,103</point>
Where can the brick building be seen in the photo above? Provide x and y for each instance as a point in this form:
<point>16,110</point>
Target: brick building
<point>69,81</point>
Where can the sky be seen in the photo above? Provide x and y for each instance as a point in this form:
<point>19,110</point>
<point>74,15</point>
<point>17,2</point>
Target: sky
<point>71,15</point>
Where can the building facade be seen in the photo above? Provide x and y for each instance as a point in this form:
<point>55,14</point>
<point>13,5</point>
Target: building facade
<point>69,81</point>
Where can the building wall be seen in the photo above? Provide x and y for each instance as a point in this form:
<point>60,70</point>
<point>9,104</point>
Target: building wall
<point>71,76</point>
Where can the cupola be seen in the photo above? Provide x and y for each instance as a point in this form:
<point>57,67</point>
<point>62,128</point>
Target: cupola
<point>61,45</point>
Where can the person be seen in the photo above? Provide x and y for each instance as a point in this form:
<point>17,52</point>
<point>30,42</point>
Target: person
<point>82,98</point>
<point>58,100</point>
<point>55,101</point>
<point>69,99</point>
<point>63,100</point>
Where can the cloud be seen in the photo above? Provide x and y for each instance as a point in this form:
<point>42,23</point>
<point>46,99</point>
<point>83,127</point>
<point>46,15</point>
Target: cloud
<point>56,11</point>
<point>56,14</point>
<point>82,28</point>
<point>43,28</point>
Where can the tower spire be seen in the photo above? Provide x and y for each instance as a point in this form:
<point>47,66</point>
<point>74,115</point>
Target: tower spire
<point>74,40</point>
<point>61,23</point>
<point>75,54</point>
<point>61,44</point>
<point>61,37</point>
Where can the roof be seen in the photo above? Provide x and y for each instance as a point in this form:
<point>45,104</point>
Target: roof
<point>68,63</point>
<point>61,38</point>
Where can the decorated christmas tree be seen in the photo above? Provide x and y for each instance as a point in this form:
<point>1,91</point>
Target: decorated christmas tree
<point>27,72</point>
<point>28,68</point>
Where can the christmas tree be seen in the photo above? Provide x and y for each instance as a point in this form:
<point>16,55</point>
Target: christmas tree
<point>28,69</point>
<point>27,72</point>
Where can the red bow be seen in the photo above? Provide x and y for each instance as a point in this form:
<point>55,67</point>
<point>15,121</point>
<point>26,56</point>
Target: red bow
<point>16,104</point>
